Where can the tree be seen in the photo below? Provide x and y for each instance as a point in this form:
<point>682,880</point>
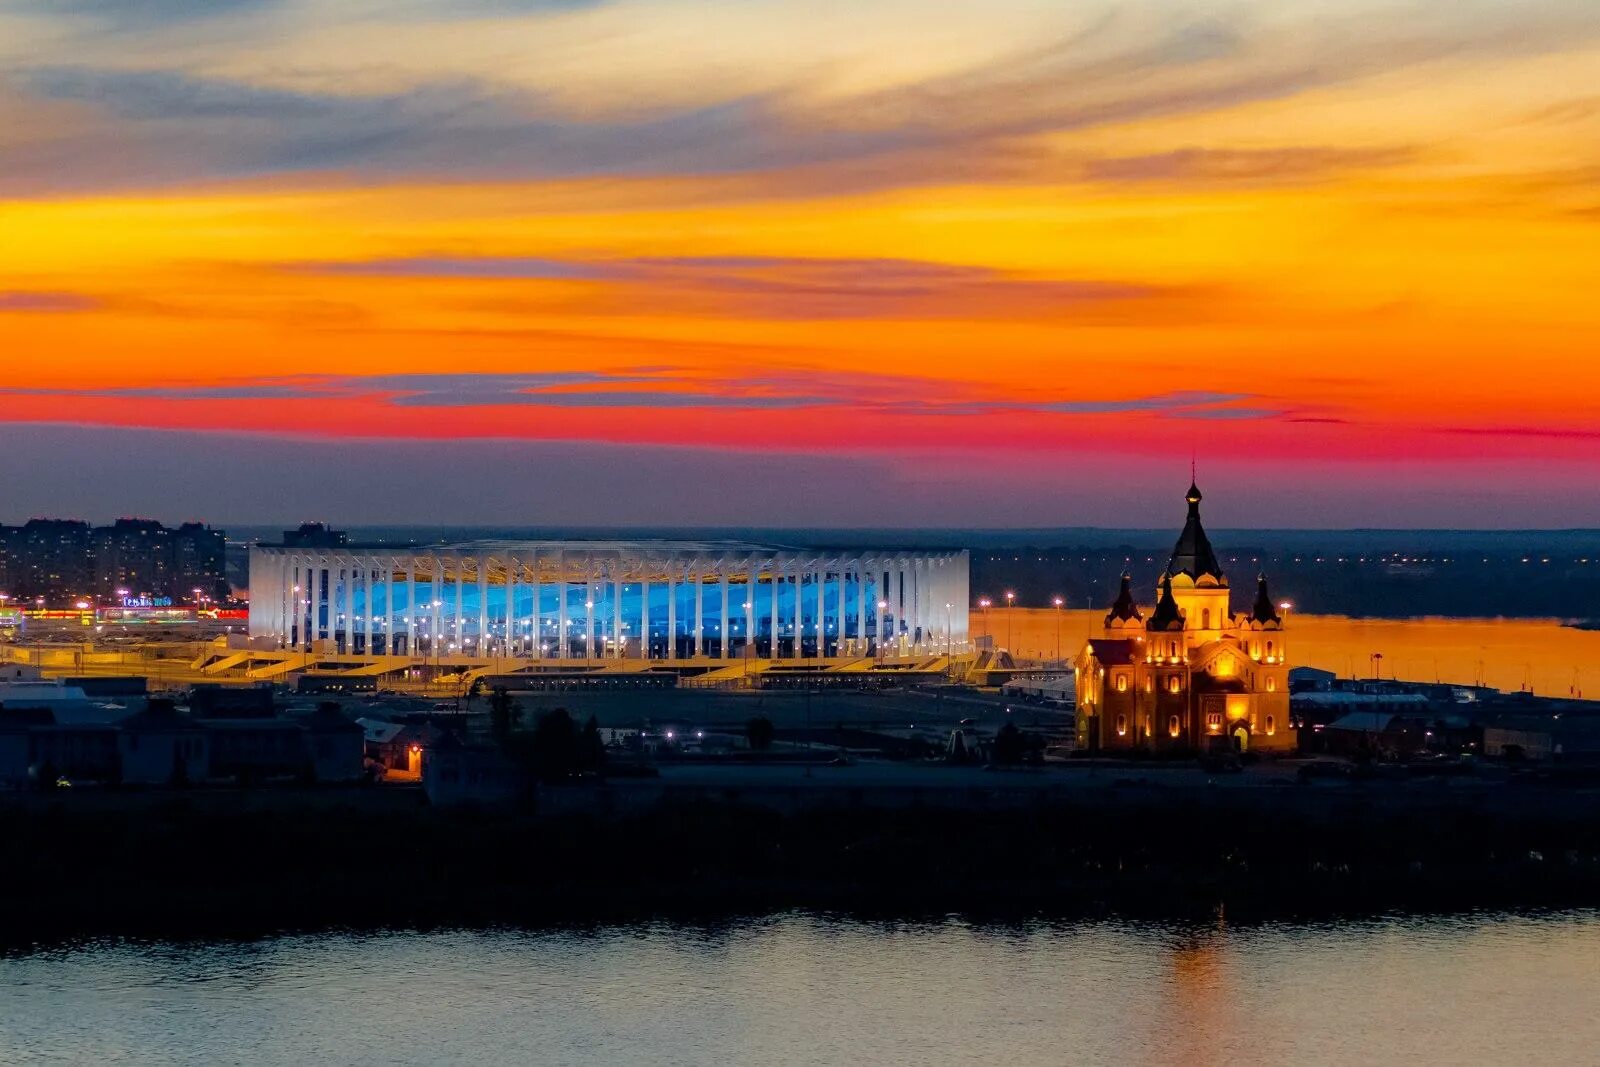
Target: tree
<point>555,746</point>
<point>504,713</point>
<point>591,749</point>
<point>759,731</point>
<point>957,753</point>
<point>1009,746</point>
<point>475,691</point>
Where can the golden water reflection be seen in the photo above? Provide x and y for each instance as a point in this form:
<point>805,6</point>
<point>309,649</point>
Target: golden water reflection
<point>1555,660</point>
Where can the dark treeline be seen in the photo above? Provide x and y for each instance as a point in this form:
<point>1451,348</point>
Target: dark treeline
<point>245,864</point>
<point>1524,582</point>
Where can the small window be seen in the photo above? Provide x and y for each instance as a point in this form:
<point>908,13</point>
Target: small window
<point>1122,726</point>
<point>1272,685</point>
<point>1205,619</point>
<point>1272,727</point>
<point>1122,683</point>
<point>1174,684</point>
<point>1214,719</point>
<point>1173,726</point>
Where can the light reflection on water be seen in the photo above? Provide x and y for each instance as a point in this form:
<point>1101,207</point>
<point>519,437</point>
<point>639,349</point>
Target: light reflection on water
<point>802,989</point>
<point>1503,653</point>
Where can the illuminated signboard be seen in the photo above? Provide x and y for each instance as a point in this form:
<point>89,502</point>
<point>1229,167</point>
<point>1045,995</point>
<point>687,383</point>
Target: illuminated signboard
<point>147,602</point>
<point>147,616</point>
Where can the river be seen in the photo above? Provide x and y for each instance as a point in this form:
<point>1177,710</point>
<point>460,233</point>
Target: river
<point>1554,659</point>
<point>803,989</point>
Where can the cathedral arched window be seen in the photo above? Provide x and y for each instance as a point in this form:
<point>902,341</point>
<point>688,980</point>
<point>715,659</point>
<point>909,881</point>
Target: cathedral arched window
<point>1272,685</point>
<point>1122,726</point>
<point>1272,727</point>
<point>1173,726</point>
<point>1174,684</point>
<point>1122,683</point>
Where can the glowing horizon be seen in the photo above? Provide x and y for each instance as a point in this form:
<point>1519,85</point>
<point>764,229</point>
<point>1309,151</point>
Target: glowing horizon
<point>960,258</point>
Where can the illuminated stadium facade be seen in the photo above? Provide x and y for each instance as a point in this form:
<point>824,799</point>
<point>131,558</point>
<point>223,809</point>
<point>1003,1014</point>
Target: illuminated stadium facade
<point>586,600</point>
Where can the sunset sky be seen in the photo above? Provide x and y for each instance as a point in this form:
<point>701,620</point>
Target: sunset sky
<point>757,263</point>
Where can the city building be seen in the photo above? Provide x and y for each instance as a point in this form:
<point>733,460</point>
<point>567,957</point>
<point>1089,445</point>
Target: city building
<point>46,558</point>
<point>589,600</point>
<point>133,563</point>
<point>1192,675</point>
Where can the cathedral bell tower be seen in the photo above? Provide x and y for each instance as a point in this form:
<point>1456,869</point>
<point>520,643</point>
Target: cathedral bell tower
<point>1196,581</point>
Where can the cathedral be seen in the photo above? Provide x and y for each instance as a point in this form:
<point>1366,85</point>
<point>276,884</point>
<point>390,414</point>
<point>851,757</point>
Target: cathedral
<point>1192,676</point>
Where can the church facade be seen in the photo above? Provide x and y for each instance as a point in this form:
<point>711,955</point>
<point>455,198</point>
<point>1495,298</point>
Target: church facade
<point>1192,676</point>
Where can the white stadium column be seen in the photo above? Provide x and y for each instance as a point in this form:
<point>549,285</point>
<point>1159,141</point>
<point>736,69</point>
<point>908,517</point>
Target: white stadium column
<point>483,563</point>
<point>699,615</point>
<point>436,627</point>
<point>369,583</point>
<point>561,605</point>
<point>725,629</point>
<point>644,614</point>
<point>616,609</point>
<point>672,609</point>
<point>880,586</point>
<point>535,616</point>
<point>752,576</point>
<point>844,584</point>
<point>773,574</point>
<point>590,604</point>
<point>510,629</point>
<point>861,606</point>
<point>458,633</point>
<point>413,624</point>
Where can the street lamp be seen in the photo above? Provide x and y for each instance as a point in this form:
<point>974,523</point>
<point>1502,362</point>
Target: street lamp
<point>983,605</point>
<point>883,606</point>
<point>1011,598</point>
<point>1057,602</point>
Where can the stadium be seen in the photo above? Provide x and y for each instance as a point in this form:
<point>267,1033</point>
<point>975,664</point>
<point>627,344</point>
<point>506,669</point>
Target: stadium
<point>608,600</point>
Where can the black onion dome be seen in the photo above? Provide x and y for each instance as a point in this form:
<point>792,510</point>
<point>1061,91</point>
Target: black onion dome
<point>1263,610</point>
<point>1166,616</point>
<point>1124,609</point>
<point>1193,554</point>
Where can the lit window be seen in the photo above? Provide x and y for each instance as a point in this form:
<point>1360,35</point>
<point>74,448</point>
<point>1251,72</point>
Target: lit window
<point>1174,684</point>
<point>1122,683</point>
<point>1122,726</point>
<point>1172,726</point>
<point>1272,727</point>
<point>1214,720</point>
<point>1272,685</point>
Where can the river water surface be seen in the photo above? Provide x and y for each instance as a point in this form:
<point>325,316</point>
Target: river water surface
<point>801,989</point>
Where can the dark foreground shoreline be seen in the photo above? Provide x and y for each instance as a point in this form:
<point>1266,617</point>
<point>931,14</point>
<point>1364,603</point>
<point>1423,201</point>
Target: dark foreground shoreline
<point>247,863</point>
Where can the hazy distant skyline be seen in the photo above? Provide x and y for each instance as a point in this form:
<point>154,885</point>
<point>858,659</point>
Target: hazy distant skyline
<point>841,264</point>
<point>100,474</point>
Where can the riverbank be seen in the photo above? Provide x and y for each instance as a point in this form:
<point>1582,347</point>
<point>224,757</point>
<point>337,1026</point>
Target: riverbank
<point>243,863</point>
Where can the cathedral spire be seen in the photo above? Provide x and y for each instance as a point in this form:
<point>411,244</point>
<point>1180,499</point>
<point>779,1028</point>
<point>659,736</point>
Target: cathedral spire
<point>1193,555</point>
<point>1166,616</point>
<point>1124,609</point>
<point>1263,610</point>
